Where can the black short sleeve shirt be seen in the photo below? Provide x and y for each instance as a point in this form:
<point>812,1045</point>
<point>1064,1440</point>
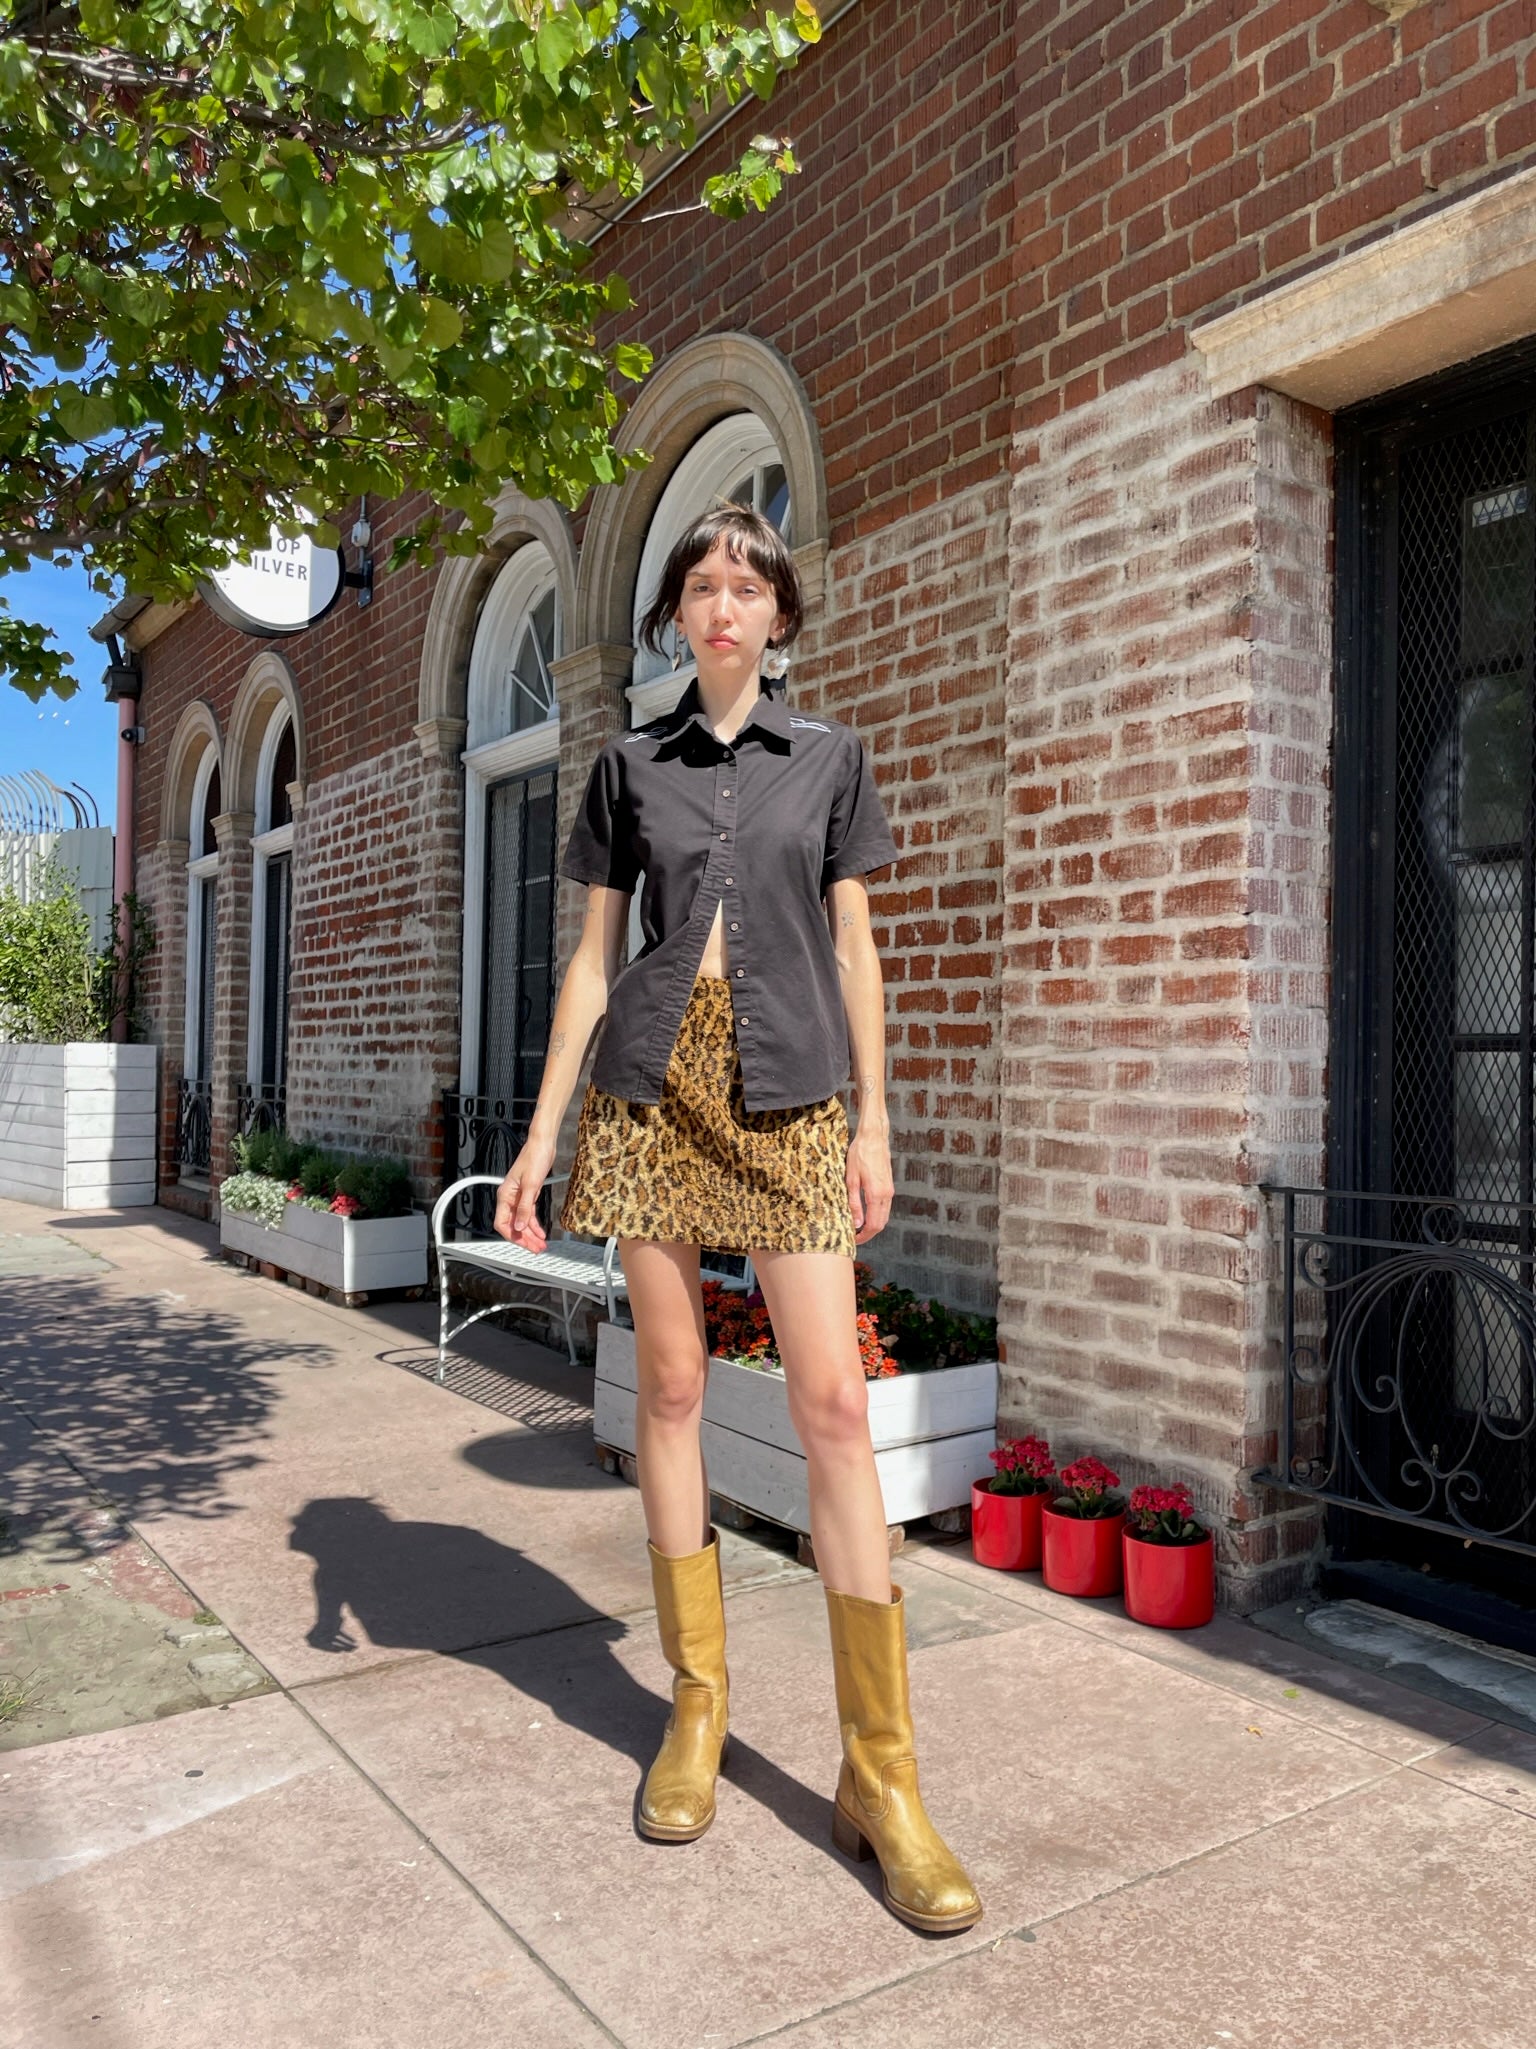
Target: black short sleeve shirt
<point>762,824</point>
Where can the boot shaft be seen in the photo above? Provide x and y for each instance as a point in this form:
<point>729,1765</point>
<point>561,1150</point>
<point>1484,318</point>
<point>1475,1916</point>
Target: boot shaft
<point>690,1619</point>
<point>869,1663</point>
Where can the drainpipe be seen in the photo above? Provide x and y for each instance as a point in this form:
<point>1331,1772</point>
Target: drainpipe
<point>124,682</point>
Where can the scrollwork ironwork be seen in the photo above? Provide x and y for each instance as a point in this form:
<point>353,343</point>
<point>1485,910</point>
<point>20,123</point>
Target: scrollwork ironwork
<point>1410,1360</point>
<point>194,1125</point>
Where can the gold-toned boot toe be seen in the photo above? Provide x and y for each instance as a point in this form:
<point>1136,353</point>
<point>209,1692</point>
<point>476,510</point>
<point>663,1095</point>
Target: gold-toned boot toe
<point>923,1882</point>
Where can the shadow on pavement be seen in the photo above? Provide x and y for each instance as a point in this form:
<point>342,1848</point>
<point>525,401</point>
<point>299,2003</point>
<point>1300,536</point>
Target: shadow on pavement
<point>389,1576</point>
<point>157,1404</point>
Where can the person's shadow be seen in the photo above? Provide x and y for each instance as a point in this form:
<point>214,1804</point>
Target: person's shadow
<point>439,1587</point>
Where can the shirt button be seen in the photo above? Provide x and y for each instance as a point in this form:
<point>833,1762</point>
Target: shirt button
<point>735,928</point>
<point>725,793</point>
<point>729,878</point>
<point>746,1020</point>
<point>725,835</point>
<point>740,971</point>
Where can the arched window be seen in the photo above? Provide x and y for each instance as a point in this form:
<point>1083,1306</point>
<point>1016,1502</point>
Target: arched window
<point>271,922</point>
<point>510,825</point>
<point>735,459</point>
<point>194,1110</point>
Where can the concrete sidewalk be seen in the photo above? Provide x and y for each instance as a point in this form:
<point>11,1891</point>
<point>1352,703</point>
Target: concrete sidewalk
<point>415,1823</point>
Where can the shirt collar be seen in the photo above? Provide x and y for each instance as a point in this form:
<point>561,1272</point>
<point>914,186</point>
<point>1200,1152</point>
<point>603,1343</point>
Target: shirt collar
<point>769,715</point>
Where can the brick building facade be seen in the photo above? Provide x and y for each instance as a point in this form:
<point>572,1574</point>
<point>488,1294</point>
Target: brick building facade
<point>1044,350</point>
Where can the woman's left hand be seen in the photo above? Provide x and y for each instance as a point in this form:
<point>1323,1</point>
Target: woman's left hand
<point>870,1183</point>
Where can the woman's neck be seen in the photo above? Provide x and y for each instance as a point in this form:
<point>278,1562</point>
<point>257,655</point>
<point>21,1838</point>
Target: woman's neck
<point>727,704</point>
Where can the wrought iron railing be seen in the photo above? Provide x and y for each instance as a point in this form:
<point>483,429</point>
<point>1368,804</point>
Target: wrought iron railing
<point>260,1106</point>
<point>483,1135</point>
<point>194,1125</point>
<point>1410,1360</point>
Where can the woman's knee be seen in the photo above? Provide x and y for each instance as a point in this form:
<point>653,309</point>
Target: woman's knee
<point>672,1385</point>
<point>832,1414</point>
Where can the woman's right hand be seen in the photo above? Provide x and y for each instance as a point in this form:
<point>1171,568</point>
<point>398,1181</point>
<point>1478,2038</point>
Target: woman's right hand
<point>515,1198</point>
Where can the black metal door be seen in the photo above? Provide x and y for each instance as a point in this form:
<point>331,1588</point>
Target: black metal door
<point>1434,1069</point>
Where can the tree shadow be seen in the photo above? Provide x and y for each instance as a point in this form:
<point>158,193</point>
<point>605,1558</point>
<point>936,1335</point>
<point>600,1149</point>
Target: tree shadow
<point>159,1405</point>
<point>391,1577</point>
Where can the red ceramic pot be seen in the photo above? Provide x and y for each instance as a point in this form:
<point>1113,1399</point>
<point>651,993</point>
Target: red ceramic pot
<point>1082,1555</point>
<point>1005,1529</point>
<point>1170,1586</point>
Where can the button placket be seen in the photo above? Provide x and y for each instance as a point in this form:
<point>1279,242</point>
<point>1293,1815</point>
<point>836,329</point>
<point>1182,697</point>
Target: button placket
<point>725,821</point>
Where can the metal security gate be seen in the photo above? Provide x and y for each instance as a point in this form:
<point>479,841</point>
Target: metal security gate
<point>1411,1318</point>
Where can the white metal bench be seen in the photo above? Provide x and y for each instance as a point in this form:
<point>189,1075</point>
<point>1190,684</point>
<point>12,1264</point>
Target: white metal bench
<point>573,1269</point>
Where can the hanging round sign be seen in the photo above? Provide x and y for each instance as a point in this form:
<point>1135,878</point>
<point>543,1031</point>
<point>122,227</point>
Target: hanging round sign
<point>280,589</point>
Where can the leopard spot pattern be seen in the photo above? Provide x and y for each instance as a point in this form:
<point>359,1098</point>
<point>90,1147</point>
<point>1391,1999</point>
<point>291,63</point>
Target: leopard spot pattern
<point>698,1168</point>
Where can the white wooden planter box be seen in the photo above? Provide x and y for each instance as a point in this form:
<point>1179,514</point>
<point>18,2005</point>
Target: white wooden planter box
<point>78,1125</point>
<point>350,1255</point>
<point>932,1433</point>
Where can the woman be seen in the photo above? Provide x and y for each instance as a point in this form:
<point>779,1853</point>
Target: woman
<point>712,1119</point>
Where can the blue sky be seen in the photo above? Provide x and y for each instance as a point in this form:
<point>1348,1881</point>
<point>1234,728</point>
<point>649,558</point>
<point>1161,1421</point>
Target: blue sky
<point>74,742</point>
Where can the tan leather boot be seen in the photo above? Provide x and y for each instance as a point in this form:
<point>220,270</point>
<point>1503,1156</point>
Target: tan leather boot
<point>879,1811</point>
<point>679,1798</point>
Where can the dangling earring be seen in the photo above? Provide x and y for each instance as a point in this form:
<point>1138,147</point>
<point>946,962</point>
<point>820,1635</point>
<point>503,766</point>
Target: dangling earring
<point>679,652</point>
<point>776,662</point>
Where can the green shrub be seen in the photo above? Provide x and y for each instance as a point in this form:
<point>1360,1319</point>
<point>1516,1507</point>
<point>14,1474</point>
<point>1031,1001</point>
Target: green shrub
<point>380,1185</point>
<point>53,987</point>
<point>272,1152</point>
<point>272,1162</point>
<point>317,1171</point>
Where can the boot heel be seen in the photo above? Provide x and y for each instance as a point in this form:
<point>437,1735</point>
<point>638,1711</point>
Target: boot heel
<point>848,1838</point>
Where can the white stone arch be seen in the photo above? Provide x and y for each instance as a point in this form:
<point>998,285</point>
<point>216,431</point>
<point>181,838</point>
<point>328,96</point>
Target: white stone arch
<point>463,582</point>
<point>702,383</point>
<point>267,683</point>
<point>197,733</point>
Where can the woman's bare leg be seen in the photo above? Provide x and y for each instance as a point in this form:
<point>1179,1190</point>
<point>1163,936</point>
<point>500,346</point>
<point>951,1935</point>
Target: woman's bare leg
<point>673,1360</point>
<point>810,1297</point>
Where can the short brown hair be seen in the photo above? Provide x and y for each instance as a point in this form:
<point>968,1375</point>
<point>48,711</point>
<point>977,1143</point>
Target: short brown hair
<point>748,537</point>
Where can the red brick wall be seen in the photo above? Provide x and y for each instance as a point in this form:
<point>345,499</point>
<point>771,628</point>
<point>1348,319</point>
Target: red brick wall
<point>383,843</point>
<point>1174,159</point>
<point>1170,703</point>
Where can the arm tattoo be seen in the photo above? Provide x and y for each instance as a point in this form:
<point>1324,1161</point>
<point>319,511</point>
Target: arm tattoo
<point>847,921</point>
<point>557,1045</point>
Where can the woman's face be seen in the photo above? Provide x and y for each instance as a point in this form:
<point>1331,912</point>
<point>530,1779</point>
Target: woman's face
<point>729,614</point>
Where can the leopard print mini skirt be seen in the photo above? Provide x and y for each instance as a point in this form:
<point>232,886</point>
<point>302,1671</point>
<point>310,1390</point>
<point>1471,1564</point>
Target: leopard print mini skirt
<point>698,1168</point>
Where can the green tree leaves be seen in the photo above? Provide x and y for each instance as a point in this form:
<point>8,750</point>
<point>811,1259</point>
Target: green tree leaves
<point>303,250</point>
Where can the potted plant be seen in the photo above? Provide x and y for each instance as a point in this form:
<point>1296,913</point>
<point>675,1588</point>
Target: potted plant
<point>1170,1561</point>
<point>932,1374</point>
<point>1080,1543</point>
<point>78,1116</point>
<point>1005,1507</point>
<point>346,1223</point>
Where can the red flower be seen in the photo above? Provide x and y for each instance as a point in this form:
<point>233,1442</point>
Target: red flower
<point>1024,1465</point>
<point>1164,1515</point>
<point>345,1205</point>
<point>1088,1482</point>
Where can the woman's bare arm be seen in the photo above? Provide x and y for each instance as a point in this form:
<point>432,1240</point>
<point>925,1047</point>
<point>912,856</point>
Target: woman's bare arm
<point>871,1184</point>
